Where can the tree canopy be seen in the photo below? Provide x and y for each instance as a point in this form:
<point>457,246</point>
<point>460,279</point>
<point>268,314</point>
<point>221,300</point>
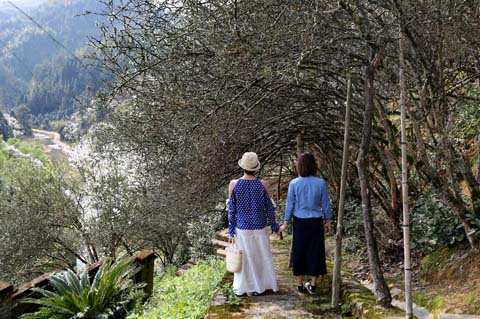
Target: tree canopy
<point>198,83</point>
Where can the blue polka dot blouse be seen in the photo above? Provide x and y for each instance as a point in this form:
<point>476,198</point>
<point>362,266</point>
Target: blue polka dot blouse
<point>250,207</point>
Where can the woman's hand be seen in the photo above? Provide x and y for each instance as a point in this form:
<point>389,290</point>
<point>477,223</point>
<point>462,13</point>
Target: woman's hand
<point>282,228</point>
<point>329,226</point>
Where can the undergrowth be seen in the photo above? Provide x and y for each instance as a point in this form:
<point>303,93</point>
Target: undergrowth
<point>432,304</point>
<point>185,297</point>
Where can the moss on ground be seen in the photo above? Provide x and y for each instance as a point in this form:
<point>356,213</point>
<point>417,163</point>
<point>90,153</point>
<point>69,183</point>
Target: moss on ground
<point>453,277</point>
<point>436,261</point>
<point>288,304</point>
<point>431,304</point>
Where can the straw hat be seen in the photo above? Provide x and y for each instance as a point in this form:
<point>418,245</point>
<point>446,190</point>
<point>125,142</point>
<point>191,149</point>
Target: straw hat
<point>249,162</point>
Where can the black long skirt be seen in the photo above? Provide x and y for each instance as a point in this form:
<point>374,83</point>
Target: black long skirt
<point>308,247</point>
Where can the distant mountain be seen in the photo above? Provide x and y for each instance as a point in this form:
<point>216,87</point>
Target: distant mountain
<point>28,54</point>
<point>23,45</point>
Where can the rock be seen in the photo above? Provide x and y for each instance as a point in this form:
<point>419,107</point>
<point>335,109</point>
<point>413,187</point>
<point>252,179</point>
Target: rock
<point>395,291</point>
<point>219,300</point>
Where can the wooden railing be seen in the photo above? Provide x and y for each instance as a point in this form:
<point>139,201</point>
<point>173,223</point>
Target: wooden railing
<point>11,297</point>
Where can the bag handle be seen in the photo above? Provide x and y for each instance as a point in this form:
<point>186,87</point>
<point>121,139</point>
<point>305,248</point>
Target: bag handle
<point>232,242</point>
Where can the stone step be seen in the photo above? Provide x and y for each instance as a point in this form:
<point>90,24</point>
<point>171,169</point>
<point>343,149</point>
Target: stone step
<point>456,316</point>
<point>223,235</point>
<point>220,252</point>
<point>220,243</point>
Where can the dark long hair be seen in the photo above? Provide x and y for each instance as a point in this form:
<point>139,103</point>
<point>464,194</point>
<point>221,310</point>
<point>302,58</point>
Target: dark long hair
<point>306,165</point>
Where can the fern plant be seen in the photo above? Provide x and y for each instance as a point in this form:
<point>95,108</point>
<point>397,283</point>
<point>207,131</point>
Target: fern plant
<point>107,296</point>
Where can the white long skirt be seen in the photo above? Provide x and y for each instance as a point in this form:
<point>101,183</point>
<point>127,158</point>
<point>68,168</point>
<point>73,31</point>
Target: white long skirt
<point>258,273</point>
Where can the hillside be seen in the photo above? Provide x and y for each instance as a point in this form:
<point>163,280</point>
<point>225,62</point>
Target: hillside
<point>28,53</point>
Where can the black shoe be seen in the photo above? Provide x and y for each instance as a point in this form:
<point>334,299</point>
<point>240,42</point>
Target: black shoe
<point>301,289</point>
<point>254,293</point>
<point>310,288</point>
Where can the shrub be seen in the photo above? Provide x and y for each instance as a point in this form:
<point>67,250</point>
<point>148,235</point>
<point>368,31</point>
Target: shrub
<point>29,149</point>
<point>434,225</point>
<point>108,296</point>
<point>467,119</point>
<point>354,240</point>
<point>432,304</point>
<point>200,234</point>
<point>185,297</point>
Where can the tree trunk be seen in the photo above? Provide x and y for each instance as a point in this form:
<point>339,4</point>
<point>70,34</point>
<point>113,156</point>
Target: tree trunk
<point>300,144</point>
<point>337,279</point>
<point>406,210</point>
<point>478,154</point>
<point>381,289</point>
<point>279,185</point>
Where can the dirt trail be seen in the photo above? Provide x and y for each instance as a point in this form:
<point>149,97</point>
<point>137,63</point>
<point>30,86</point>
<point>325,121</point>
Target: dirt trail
<point>56,140</point>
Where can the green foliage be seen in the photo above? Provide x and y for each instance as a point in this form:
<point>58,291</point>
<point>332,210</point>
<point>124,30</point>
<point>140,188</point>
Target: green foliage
<point>108,296</point>
<point>433,225</point>
<point>24,117</point>
<point>232,298</point>
<point>5,129</point>
<point>471,298</point>
<point>57,125</point>
<point>474,220</point>
<point>432,304</point>
<point>56,85</point>
<point>467,121</point>
<point>345,310</point>
<point>353,225</point>
<point>185,297</point>
<point>29,149</point>
<point>200,234</point>
<point>38,219</point>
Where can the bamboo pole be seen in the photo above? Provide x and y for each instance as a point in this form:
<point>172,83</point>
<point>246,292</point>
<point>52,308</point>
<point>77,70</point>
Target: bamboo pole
<point>337,279</point>
<point>279,184</point>
<point>406,217</point>
<point>478,151</point>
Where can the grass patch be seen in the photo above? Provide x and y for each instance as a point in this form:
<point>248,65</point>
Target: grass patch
<point>186,297</point>
<point>432,304</point>
<point>470,298</point>
<point>30,149</point>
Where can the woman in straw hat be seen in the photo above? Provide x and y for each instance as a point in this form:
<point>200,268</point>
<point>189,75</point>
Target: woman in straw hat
<point>308,204</point>
<point>249,209</point>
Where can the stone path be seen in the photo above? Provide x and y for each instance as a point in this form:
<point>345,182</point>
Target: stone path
<point>422,313</point>
<point>286,303</point>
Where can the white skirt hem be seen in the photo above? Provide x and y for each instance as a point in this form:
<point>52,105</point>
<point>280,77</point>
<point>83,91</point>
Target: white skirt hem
<point>258,273</point>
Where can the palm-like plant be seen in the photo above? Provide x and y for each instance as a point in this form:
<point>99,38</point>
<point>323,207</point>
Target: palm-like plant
<point>72,297</point>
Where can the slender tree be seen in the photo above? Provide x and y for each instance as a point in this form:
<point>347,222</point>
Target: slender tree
<point>337,279</point>
<point>380,286</point>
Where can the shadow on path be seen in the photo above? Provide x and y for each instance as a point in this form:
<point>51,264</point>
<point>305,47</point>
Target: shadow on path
<point>286,303</point>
